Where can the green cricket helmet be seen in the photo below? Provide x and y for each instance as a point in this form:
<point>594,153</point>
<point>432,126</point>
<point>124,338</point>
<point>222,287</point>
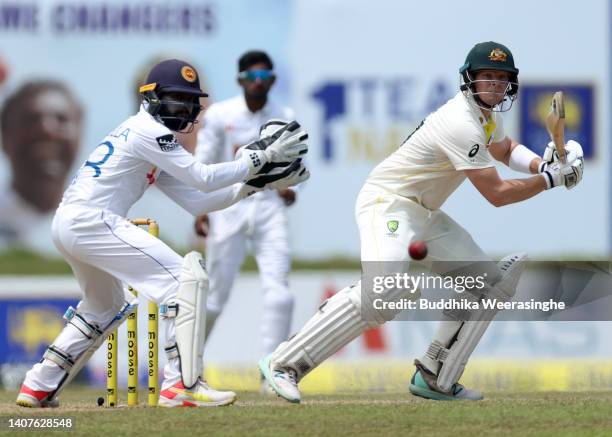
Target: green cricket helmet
<point>489,55</point>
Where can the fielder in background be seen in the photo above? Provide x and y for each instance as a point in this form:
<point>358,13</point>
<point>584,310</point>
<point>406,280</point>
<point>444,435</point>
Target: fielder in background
<point>400,200</point>
<point>260,219</point>
<point>106,251</point>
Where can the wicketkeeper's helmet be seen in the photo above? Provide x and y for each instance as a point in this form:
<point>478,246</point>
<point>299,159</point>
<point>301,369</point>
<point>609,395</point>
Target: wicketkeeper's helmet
<point>173,76</point>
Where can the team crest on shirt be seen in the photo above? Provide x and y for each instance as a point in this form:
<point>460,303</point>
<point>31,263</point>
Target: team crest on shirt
<point>498,55</point>
<point>167,142</point>
<point>392,226</point>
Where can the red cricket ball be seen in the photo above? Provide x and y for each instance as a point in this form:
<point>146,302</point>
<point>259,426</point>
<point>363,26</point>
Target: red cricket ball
<point>417,250</point>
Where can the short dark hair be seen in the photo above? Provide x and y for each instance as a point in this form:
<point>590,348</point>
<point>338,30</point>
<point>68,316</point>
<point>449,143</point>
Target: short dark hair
<point>253,57</point>
<point>29,90</point>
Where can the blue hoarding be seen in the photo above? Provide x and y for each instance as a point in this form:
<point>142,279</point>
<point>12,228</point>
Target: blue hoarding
<point>534,102</point>
<point>28,326</point>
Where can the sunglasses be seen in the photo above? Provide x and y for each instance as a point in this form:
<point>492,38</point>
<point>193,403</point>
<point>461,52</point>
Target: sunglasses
<point>253,75</point>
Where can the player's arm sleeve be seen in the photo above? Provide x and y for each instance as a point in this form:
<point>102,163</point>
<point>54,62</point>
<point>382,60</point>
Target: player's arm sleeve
<point>211,138</point>
<point>195,201</point>
<point>166,153</point>
<point>465,148</point>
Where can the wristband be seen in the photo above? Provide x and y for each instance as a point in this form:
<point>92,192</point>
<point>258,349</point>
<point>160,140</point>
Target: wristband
<point>521,158</point>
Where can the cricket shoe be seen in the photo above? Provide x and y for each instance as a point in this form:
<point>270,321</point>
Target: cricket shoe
<point>35,399</point>
<point>423,384</point>
<point>200,395</point>
<point>282,381</point>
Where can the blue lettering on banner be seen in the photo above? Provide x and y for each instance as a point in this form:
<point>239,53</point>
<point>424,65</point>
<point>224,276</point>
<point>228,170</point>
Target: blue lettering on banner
<point>399,92</point>
<point>534,103</point>
<point>383,110</point>
<point>16,17</point>
<point>151,18</point>
<point>332,98</point>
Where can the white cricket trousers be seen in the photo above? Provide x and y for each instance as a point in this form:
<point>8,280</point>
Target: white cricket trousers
<point>446,239</point>
<point>106,252</point>
<point>267,231</point>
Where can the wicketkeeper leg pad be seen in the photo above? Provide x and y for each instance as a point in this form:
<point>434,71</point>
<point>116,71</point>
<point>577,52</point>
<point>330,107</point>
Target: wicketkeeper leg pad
<point>95,337</point>
<point>189,313</point>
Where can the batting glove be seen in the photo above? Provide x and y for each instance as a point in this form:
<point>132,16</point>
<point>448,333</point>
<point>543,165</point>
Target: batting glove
<point>573,151</point>
<point>564,174</point>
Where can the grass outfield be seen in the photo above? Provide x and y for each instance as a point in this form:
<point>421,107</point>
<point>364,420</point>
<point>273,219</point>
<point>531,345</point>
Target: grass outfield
<point>27,262</point>
<point>547,413</point>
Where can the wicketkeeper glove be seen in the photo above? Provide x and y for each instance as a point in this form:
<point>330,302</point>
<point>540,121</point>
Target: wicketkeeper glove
<point>293,174</point>
<point>280,144</point>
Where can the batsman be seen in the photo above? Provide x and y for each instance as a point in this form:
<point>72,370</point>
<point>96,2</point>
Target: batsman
<point>106,252</point>
<point>400,202</point>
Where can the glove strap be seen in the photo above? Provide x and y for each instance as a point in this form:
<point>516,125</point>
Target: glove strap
<point>543,166</point>
<point>549,179</point>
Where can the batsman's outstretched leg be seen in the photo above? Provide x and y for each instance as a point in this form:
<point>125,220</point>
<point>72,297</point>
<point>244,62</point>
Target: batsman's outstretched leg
<point>340,319</point>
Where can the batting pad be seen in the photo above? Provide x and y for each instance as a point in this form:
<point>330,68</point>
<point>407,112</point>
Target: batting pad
<point>336,324</point>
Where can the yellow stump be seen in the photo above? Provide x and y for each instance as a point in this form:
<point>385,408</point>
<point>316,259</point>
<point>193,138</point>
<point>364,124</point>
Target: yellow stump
<point>152,350</point>
<point>152,359</point>
<point>132,339</point>
<point>111,370</point>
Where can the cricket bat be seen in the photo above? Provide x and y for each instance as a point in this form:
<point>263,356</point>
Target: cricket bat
<point>555,124</point>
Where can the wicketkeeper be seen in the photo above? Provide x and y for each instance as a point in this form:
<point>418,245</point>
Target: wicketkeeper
<point>106,251</point>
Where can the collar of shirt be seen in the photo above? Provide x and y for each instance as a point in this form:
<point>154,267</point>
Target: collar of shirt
<point>488,124</point>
